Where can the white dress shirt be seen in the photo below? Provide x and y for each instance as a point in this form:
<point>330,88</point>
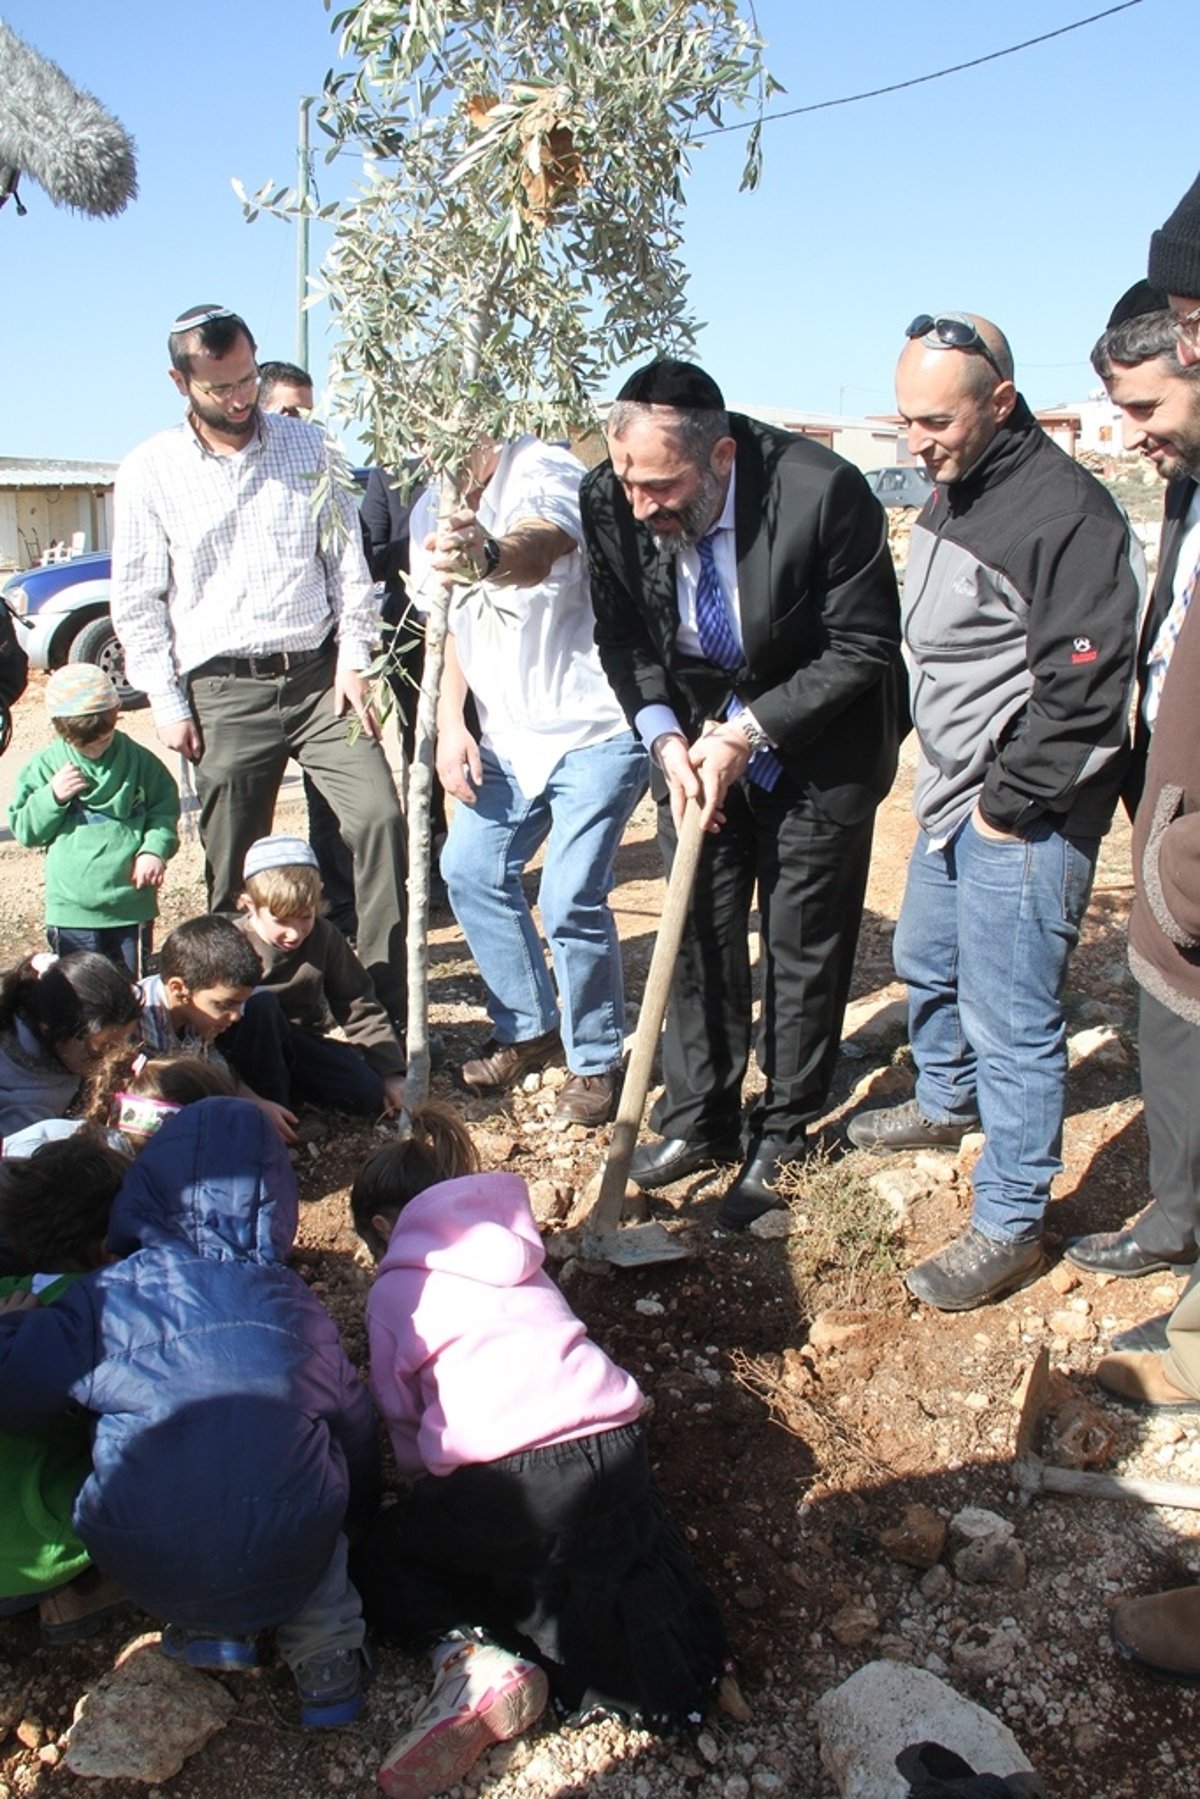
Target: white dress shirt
<point>658,720</point>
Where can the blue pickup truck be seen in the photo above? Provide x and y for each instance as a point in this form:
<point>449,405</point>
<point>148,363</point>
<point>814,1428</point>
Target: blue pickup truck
<point>62,616</point>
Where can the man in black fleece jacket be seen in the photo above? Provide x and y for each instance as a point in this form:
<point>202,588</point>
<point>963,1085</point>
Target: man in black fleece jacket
<point>1020,617</point>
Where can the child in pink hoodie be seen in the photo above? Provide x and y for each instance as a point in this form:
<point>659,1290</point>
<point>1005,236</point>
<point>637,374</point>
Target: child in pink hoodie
<point>533,1551</point>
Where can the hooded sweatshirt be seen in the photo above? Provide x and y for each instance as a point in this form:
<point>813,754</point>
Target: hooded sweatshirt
<point>475,1354</point>
<point>227,1423</point>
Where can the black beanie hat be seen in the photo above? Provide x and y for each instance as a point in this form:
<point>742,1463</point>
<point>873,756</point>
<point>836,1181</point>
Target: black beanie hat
<point>670,383</point>
<point>1175,250</point>
<point>1141,298</point>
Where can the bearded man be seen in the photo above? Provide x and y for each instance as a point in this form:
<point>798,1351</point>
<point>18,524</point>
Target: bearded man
<point>747,618</point>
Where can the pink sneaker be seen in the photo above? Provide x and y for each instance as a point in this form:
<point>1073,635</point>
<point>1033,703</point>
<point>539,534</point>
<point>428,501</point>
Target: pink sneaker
<point>481,1695</point>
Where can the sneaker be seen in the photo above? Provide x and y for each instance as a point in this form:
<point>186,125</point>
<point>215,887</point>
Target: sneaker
<point>587,1099</point>
<point>331,1686</point>
<point>501,1065</point>
<point>202,1649</point>
<point>974,1269</point>
<point>80,1609</point>
<point>481,1695</point>
<point>904,1127</point>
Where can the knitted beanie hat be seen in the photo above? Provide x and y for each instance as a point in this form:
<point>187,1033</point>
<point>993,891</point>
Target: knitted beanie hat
<point>1175,249</point>
<point>78,688</point>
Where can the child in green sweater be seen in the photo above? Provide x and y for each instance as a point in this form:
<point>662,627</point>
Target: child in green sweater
<point>106,812</point>
<point>54,1209</point>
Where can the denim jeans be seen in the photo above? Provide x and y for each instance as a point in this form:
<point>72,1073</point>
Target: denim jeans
<point>580,816</point>
<point>330,1618</point>
<point>983,941</point>
<point>128,945</point>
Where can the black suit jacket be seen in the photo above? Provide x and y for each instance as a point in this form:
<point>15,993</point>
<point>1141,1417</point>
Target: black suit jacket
<point>384,515</point>
<point>819,610</point>
<point>1175,510</point>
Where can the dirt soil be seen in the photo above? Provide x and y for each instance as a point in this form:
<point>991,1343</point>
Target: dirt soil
<point>786,1449</point>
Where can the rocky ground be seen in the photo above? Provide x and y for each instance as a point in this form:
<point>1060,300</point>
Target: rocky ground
<point>803,1406</point>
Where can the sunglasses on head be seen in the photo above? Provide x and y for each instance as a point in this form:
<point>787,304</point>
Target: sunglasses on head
<point>952,331</point>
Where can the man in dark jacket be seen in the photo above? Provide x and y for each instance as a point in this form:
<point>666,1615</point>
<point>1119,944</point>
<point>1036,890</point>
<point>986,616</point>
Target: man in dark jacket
<point>229,1429</point>
<point>741,576</point>
<point>1020,614</point>
<point>1160,398</point>
<point>1160,1632</point>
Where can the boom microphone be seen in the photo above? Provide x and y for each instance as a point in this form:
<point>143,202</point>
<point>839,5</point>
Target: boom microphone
<point>60,135</point>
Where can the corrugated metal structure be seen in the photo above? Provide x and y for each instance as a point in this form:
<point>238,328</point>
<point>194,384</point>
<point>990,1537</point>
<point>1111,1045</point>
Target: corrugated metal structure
<point>47,501</point>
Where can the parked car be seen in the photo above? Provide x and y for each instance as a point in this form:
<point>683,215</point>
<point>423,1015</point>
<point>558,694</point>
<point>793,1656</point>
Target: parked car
<point>901,486</point>
<point>62,616</point>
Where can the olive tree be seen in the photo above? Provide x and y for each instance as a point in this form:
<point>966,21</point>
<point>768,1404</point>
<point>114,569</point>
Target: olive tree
<point>515,234</point>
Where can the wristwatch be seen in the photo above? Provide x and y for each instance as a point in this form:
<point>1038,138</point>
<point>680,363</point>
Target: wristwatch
<point>491,557</point>
<point>752,731</point>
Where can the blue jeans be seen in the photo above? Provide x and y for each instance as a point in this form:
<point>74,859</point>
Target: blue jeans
<point>580,816</point>
<point>128,945</point>
<point>983,941</point>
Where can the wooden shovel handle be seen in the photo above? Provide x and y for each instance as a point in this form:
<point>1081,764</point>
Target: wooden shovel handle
<point>606,1213</point>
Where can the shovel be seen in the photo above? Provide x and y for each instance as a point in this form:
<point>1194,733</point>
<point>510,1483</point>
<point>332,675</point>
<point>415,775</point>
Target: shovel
<point>1034,1476</point>
<point>601,1236</point>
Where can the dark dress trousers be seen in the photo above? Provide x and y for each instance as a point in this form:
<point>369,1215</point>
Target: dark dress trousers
<point>822,672</point>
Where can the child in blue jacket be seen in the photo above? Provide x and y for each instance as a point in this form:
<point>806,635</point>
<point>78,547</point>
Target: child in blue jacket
<point>228,1427</point>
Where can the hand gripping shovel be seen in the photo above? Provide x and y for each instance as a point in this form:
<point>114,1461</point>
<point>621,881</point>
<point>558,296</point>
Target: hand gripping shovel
<point>601,1236</point>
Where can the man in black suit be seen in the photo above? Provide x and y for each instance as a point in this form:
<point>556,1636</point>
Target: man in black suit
<point>747,617</point>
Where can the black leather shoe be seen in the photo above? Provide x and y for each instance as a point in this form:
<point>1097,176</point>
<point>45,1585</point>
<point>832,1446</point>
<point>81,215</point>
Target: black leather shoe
<point>754,1189</point>
<point>974,1269</point>
<point>1120,1253</point>
<point>671,1158</point>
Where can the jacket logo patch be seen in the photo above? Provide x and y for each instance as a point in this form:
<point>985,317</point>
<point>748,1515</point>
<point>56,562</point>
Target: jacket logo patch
<point>1083,650</point>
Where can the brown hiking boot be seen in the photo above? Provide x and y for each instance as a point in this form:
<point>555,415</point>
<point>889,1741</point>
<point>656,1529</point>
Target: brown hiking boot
<point>501,1065</point>
<point>587,1099</point>
<point>1161,1632</point>
<point>81,1608</point>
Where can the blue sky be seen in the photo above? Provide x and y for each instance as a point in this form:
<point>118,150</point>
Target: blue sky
<point>1025,190</point>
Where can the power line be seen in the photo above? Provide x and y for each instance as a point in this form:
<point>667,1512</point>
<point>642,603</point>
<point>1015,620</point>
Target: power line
<point>895,87</point>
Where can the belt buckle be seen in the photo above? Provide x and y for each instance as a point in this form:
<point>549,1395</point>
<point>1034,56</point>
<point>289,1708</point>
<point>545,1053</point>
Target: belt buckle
<point>268,665</point>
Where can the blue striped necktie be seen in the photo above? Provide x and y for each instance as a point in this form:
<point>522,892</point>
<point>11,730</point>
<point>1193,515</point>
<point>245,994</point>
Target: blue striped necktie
<point>719,645</point>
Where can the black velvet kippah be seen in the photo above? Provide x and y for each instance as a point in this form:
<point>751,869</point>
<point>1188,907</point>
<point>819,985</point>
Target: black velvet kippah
<point>1141,297</point>
<point>670,383</point>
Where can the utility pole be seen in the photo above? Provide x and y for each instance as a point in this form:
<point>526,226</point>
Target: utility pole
<point>302,186</point>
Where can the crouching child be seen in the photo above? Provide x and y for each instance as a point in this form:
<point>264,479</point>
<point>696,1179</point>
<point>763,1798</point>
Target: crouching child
<point>231,1436</point>
<point>534,1552</point>
<point>318,981</point>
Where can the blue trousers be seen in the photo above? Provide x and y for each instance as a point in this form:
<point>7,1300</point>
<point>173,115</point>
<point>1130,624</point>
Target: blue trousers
<point>983,941</point>
<point>580,816</point>
<point>288,1065</point>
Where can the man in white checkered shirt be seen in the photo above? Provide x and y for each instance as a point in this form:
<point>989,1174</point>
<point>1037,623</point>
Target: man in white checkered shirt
<point>248,622</point>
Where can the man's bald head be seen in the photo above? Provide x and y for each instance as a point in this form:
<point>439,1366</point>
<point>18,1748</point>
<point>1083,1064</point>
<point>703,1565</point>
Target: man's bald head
<point>955,396</point>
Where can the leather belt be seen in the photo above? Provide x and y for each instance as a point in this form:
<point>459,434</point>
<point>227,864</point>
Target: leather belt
<point>266,667</point>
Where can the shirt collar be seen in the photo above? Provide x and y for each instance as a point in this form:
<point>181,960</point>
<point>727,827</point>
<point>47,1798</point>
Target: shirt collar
<point>726,521</point>
<point>253,447</point>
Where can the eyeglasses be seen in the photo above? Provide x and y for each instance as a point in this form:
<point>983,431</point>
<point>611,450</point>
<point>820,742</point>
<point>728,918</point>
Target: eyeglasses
<point>952,331</point>
<point>1187,324</point>
<point>195,316</point>
<point>226,390</point>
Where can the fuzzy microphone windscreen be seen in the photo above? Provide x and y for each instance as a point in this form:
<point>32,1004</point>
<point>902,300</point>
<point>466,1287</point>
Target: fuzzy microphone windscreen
<point>60,135</point>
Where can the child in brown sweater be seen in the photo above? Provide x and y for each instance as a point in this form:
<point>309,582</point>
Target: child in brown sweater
<point>318,981</point>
